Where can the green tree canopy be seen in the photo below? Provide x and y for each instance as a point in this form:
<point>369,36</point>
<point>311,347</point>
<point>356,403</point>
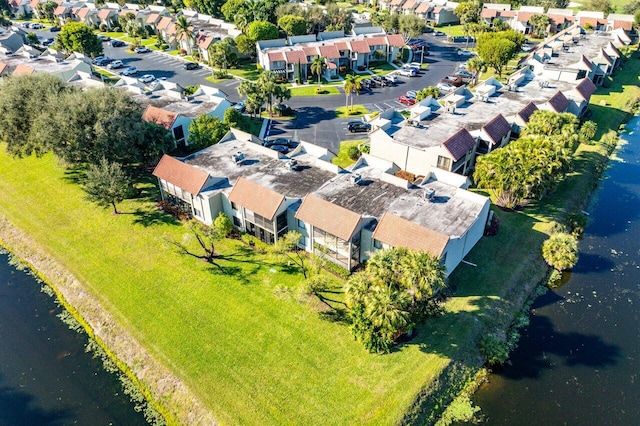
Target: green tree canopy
<point>293,25</point>
<point>205,131</point>
<point>602,6</point>
<point>496,52</point>
<point>106,184</point>
<point>78,37</point>
<point>262,30</point>
<point>410,26</point>
<point>560,251</point>
<point>46,9</point>
<point>245,45</point>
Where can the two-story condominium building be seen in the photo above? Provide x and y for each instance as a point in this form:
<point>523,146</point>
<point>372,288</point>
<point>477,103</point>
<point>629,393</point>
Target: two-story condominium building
<point>293,57</point>
<point>336,211</point>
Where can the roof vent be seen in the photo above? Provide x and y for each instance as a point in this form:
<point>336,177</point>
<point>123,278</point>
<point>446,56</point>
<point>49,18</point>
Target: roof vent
<point>292,164</point>
<point>429,193</point>
<point>513,87</point>
<point>238,157</point>
<point>355,179</point>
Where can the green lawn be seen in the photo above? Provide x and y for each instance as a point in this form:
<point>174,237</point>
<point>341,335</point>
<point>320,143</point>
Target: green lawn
<point>356,111</point>
<point>342,159</point>
<point>310,90</point>
<point>248,71</point>
<point>383,68</point>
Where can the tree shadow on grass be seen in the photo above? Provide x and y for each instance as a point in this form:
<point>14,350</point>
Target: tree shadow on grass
<point>148,218</point>
<point>74,174</point>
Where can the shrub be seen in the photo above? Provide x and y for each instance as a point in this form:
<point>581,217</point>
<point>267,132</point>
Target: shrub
<point>337,269</point>
<point>117,30</point>
<point>365,149</point>
<point>577,222</point>
<point>494,350</point>
<point>560,251</point>
<point>254,242</point>
<point>164,46</point>
<point>353,153</point>
<point>175,211</point>
<point>102,27</point>
<point>182,52</point>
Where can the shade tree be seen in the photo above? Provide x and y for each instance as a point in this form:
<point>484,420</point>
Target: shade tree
<point>78,37</point>
<point>560,251</point>
<point>106,184</point>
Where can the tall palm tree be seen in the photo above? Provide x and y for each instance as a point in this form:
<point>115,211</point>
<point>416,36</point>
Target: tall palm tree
<point>185,31</point>
<point>476,65</point>
<point>318,65</point>
<point>351,85</point>
<point>423,274</point>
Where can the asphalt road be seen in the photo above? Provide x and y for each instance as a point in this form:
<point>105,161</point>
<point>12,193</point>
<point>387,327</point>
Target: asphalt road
<point>315,119</point>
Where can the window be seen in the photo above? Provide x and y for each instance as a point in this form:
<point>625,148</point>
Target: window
<point>237,222</point>
<point>377,244</point>
<point>444,163</point>
<point>234,206</point>
<point>178,133</point>
<point>197,212</point>
<point>301,224</point>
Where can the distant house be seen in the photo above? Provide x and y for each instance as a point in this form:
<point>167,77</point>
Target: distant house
<point>522,117</point>
<point>557,103</point>
<point>176,116</point>
<point>108,17</point>
<point>579,97</point>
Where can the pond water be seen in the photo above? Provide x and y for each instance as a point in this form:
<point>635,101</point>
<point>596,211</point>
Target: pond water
<point>577,362</point>
<point>46,377</point>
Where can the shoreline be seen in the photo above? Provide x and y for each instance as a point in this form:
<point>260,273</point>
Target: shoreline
<point>161,388</point>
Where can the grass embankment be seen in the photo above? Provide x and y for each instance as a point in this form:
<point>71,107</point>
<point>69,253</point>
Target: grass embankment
<point>253,355</point>
<point>346,112</point>
<point>311,90</point>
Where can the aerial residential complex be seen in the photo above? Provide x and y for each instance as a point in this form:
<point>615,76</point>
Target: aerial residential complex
<point>351,213</point>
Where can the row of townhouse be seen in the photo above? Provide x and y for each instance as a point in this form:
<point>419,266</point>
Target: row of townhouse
<point>345,215</point>
<point>441,12</point>
<point>292,57</point>
<point>436,12</point>
<point>207,29</point>
<point>449,133</point>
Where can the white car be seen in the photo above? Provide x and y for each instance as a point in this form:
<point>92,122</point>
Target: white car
<point>463,52</point>
<point>446,87</point>
<point>130,71</point>
<point>391,78</point>
<point>407,72</point>
<point>147,78</point>
<point>115,65</point>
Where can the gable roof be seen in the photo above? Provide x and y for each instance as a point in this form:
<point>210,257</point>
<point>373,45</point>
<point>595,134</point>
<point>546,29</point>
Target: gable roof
<point>310,50</point>
<point>153,18</point>
<point>604,56</point>
<point>329,52</point>
<point>204,41</point>
<point>159,116</point>
<point>395,40</point>
<point>23,69</point>
<point>257,198</point>
<point>295,56</point>
<point>586,88</point>
<point>584,64</point>
<point>184,176</point>
<point>329,217</point>
<point>409,4</point>
<point>497,128</point>
<point>275,56</point>
<point>82,12</point>
<point>526,112</point>
<point>359,46</point>
<point>3,67</point>
<point>459,144</point>
<point>612,50</point>
<point>423,7</point>
<point>399,232</point>
<point>164,22</point>
<point>558,102</point>
<point>105,13</point>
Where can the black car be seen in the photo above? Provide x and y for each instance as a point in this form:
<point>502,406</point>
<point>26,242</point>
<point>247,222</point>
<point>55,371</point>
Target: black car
<point>102,61</point>
<point>368,83</point>
<point>117,43</point>
<point>191,66</point>
<point>357,127</point>
<point>380,81</point>
<point>280,148</point>
<point>54,29</point>
<point>289,143</point>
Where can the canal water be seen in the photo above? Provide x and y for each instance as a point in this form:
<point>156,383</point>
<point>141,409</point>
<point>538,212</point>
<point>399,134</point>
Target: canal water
<point>46,377</point>
<point>578,362</point>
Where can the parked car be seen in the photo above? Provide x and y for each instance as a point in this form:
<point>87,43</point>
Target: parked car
<point>280,148</point>
<point>380,81</point>
<point>103,38</point>
<point>191,66</point>
<point>367,83</point>
<point>48,42</point>
<point>454,80</point>
<point>147,78</point>
<point>358,127</point>
<point>102,61</point>
<point>54,29</point>
<point>289,143</point>
<point>412,67</point>
<point>463,52</point>
<point>445,87</point>
<point>407,100</point>
<point>240,106</point>
<point>130,71</point>
<point>465,75</point>
<point>439,34</point>
<point>407,72</point>
<point>391,78</point>
<point>117,43</point>
<point>142,49</point>
<point>115,65</point>
<point>411,93</point>
<point>526,47</point>
<point>36,26</point>
<point>428,30</point>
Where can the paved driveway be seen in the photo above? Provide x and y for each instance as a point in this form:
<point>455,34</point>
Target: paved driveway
<point>316,121</point>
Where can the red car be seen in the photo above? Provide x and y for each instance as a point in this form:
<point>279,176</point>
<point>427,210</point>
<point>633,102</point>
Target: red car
<point>407,100</point>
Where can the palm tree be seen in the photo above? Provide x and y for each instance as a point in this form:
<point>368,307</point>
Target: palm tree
<point>267,85</point>
<point>357,289</point>
<point>588,130</point>
<point>318,66</point>
<point>387,309</point>
<point>476,65</point>
<point>184,31</point>
<point>351,86</point>
<point>561,251</point>
<point>423,274</point>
